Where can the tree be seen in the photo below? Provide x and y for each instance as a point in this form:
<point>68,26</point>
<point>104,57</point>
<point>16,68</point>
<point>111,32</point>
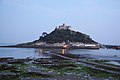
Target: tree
<point>44,34</point>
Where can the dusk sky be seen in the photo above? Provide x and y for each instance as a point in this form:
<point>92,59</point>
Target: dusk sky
<point>25,20</point>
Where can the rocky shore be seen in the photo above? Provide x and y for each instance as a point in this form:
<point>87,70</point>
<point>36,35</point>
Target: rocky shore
<point>56,68</point>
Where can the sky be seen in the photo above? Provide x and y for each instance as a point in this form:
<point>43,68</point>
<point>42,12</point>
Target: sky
<point>25,20</point>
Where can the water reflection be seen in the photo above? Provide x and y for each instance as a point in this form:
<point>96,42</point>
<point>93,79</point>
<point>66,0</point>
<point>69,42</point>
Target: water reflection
<point>106,54</point>
<point>45,52</point>
<point>39,52</point>
<point>64,51</point>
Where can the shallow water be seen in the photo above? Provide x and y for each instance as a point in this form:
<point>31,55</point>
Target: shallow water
<point>22,53</point>
<point>105,54</point>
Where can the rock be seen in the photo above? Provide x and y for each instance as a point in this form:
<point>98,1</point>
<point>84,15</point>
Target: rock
<point>19,61</point>
<point>6,59</point>
<point>30,78</point>
<point>16,61</point>
<point>7,74</point>
<point>6,67</point>
<point>36,71</point>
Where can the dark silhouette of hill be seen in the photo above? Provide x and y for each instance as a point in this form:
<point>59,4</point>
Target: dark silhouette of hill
<point>65,35</point>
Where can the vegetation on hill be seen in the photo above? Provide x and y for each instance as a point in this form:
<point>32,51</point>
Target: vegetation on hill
<point>65,35</point>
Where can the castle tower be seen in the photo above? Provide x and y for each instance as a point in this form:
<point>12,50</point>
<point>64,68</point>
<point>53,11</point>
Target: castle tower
<point>63,26</point>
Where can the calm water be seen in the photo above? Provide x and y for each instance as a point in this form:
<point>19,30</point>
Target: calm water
<point>107,54</point>
<point>22,53</point>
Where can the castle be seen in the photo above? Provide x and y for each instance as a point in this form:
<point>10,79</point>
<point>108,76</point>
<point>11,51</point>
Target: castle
<point>64,27</point>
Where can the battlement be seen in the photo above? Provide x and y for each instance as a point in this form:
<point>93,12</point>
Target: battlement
<point>64,27</point>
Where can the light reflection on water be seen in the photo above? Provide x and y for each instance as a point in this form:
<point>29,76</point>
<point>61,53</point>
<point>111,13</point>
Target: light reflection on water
<point>108,54</point>
<point>39,52</point>
<point>64,51</point>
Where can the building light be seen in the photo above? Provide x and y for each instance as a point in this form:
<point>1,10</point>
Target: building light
<point>65,46</point>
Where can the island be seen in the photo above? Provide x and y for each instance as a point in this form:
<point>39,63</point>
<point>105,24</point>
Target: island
<point>61,37</point>
<point>60,64</point>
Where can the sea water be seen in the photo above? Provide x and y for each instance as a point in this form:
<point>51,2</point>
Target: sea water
<point>102,54</point>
